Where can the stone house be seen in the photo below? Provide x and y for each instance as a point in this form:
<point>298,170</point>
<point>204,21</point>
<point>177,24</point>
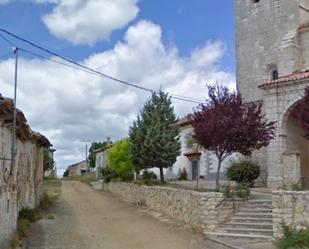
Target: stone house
<point>100,160</point>
<point>208,160</point>
<point>77,169</point>
<point>272,47</point>
<point>21,182</point>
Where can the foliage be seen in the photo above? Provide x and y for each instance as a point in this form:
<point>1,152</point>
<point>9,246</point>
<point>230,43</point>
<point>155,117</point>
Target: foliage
<point>227,190</point>
<point>148,175</point>
<point>148,182</point>
<point>182,174</point>
<point>225,125</point>
<point>48,161</point>
<point>243,172</point>
<point>293,238</point>
<point>108,174</point>
<point>95,146</point>
<point>153,136</point>
<point>30,214</point>
<point>120,161</point>
<point>242,191</point>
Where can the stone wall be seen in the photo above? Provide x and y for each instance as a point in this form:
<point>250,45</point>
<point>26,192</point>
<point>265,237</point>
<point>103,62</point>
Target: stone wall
<point>290,207</point>
<point>203,210</point>
<point>20,185</point>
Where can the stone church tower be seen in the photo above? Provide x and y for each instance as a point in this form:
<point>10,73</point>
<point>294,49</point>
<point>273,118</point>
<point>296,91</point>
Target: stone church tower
<point>272,47</point>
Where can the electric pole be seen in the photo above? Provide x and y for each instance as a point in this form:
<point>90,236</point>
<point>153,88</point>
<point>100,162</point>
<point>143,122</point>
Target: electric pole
<point>13,149</point>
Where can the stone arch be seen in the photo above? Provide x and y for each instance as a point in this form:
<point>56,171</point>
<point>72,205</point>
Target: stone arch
<point>286,112</point>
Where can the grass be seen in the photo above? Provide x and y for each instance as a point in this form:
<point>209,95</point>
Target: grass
<point>51,194</point>
<point>85,178</point>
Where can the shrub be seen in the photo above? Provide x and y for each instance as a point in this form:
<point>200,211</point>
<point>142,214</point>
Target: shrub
<point>120,161</point>
<point>147,175</point>
<point>242,191</point>
<point>227,190</point>
<point>243,172</point>
<point>293,238</point>
<point>30,214</point>
<point>182,174</point>
<point>108,174</point>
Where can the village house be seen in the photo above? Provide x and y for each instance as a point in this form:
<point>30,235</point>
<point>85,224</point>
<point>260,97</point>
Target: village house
<point>101,158</point>
<point>77,169</point>
<point>208,162</point>
<point>272,47</point>
<point>21,181</point>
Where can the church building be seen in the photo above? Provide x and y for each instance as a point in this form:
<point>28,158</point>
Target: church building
<point>272,50</point>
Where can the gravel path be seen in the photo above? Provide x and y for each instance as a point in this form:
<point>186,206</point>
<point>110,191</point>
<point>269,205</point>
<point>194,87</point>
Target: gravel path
<point>88,219</point>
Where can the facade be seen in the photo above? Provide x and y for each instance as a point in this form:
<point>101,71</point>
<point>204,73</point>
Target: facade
<point>100,160</point>
<point>77,169</point>
<point>208,161</point>
<point>21,182</point>
<point>272,47</point>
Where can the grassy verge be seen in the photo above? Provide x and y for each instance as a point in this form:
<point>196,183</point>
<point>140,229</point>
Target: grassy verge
<point>85,178</point>
<point>51,194</point>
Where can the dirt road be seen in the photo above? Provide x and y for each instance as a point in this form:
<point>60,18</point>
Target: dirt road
<point>88,219</point>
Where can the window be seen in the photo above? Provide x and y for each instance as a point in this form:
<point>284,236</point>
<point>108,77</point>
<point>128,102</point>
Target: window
<point>255,1</point>
<point>274,74</point>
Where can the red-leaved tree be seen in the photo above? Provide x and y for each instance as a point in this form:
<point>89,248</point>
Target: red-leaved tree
<point>225,125</point>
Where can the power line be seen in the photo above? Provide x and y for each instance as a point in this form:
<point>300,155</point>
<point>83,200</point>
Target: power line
<point>86,69</point>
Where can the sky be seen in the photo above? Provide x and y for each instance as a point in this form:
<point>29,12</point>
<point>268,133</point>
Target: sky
<point>176,45</point>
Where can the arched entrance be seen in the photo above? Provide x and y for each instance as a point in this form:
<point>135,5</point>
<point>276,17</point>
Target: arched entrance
<point>296,156</point>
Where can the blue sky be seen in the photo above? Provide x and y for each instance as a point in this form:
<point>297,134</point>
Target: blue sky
<point>186,23</point>
<point>177,45</point>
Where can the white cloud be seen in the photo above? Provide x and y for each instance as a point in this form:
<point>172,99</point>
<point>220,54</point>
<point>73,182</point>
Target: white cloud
<point>86,22</point>
<point>4,1</point>
<point>72,106</point>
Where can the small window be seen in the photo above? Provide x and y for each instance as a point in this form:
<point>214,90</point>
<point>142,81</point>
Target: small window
<point>8,206</point>
<point>255,1</point>
<point>275,74</point>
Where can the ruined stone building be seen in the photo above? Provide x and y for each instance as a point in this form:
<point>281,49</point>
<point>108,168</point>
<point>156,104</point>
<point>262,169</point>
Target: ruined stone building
<point>20,183</point>
<point>272,46</point>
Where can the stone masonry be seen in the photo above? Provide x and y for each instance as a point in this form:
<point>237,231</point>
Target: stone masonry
<point>272,47</point>
<point>204,210</point>
<point>290,207</point>
<point>21,185</point>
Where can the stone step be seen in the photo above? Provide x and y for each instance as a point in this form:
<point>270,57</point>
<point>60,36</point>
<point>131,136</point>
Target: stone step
<point>255,210</point>
<point>246,230</point>
<point>251,219</point>
<point>253,215</point>
<point>238,235</point>
<point>260,201</point>
<point>262,225</point>
<point>257,206</point>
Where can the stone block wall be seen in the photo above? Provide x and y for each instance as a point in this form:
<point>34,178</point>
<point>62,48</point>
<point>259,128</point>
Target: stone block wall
<point>290,207</point>
<point>203,210</point>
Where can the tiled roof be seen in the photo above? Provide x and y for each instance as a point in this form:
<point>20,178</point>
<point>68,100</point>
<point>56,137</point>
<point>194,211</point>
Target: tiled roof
<point>184,121</point>
<point>299,75</point>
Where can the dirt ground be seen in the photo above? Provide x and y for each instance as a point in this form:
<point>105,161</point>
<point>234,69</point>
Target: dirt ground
<point>89,219</point>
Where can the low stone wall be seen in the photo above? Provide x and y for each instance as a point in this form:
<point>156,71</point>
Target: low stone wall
<point>203,210</point>
<point>290,207</point>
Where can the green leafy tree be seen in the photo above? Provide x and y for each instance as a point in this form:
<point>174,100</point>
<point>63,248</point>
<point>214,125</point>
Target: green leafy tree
<point>154,137</point>
<point>48,162</point>
<point>95,146</point>
<point>119,160</point>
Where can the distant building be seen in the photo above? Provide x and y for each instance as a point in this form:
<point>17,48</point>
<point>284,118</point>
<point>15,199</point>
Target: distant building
<point>77,169</point>
<point>101,158</point>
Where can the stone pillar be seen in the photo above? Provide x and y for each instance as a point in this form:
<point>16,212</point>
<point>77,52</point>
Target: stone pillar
<point>291,167</point>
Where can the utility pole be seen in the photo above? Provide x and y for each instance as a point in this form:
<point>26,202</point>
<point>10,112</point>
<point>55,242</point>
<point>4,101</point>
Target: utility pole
<point>13,149</point>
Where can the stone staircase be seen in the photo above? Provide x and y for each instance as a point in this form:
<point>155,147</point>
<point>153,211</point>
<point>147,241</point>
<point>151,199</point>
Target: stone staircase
<point>253,220</point>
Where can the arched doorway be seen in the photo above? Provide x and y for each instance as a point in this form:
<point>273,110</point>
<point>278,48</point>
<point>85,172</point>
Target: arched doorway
<point>297,148</point>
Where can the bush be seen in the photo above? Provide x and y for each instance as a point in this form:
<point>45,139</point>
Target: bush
<point>147,175</point>
<point>30,214</point>
<point>120,161</point>
<point>108,174</point>
<point>242,191</point>
<point>243,172</point>
<point>293,238</point>
<point>182,174</point>
<point>227,190</point>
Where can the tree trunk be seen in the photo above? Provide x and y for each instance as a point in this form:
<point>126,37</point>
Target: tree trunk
<point>161,175</point>
<point>218,173</point>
